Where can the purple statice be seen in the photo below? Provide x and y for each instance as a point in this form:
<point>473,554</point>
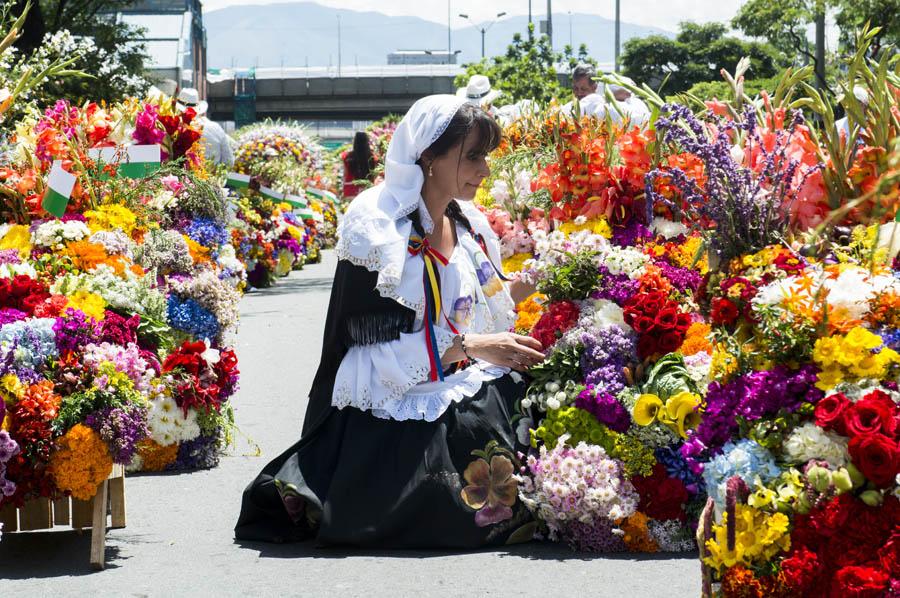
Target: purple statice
<point>615,287</point>
<point>74,330</point>
<point>677,467</point>
<point>201,452</point>
<point>630,234</point>
<point>8,449</point>
<point>683,279</point>
<point>749,397</point>
<point>10,314</point>
<point>10,256</point>
<point>606,353</point>
<point>601,536</point>
<point>749,207</point>
<point>121,428</point>
<point>207,232</point>
<point>603,406</point>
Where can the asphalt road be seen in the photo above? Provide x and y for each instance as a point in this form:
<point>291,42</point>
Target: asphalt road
<point>179,541</point>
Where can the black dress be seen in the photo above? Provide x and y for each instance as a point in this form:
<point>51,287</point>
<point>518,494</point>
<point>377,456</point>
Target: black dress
<point>355,479</point>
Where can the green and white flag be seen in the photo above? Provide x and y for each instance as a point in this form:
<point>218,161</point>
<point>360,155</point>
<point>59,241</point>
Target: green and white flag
<point>318,217</point>
<point>237,181</point>
<point>322,194</point>
<point>296,201</point>
<point>59,189</point>
<point>142,161</point>
<point>271,194</point>
<point>306,214</point>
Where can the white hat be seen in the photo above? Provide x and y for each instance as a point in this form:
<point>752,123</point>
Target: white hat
<point>190,98</point>
<point>478,91</point>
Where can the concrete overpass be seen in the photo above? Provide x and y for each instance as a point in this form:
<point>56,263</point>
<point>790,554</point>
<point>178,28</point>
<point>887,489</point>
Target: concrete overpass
<point>354,93</point>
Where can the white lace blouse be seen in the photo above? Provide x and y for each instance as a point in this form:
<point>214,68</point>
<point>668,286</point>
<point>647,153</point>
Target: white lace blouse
<point>391,379</point>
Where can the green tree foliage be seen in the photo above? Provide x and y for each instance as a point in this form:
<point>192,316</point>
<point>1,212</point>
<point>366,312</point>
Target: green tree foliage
<point>87,31</point>
<point>527,70</point>
<point>697,54</point>
<point>785,23</point>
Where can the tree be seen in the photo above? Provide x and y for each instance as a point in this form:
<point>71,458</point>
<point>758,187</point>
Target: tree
<point>697,54</point>
<point>104,48</point>
<point>528,69</point>
<point>853,15</point>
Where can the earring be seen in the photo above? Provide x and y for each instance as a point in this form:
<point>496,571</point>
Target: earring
<point>431,170</point>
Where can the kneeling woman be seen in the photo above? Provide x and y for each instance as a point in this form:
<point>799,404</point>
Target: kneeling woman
<point>408,440</point>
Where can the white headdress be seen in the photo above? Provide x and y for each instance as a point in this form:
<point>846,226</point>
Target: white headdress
<point>375,230</point>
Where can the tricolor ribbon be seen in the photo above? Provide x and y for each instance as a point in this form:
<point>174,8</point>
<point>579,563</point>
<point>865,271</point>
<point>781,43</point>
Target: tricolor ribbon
<point>431,280</point>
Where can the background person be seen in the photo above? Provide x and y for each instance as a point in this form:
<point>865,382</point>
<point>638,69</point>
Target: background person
<point>215,139</point>
<point>358,165</point>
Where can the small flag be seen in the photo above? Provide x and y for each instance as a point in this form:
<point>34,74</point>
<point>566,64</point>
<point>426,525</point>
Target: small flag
<point>318,217</point>
<point>322,194</point>
<point>897,216</point>
<point>296,201</point>
<point>271,194</point>
<point>306,214</point>
<point>59,189</point>
<point>237,181</point>
<point>143,160</point>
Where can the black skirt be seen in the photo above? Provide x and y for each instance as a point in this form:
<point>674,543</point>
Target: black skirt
<point>357,480</point>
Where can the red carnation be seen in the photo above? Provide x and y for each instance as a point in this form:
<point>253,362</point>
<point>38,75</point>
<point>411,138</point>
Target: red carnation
<point>830,413</point>
<point>724,312</point>
<point>859,582</point>
<point>662,497</point>
<point>559,317</point>
<point>889,555</point>
<point>877,457</point>
<point>800,569</point>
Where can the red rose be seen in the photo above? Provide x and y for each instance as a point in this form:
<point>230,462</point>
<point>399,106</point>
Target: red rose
<point>670,341</point>
<point>859,582</point>
<point>667,318</point>
<point>877,457</point>
<point>876,412</point>
<point>647,345</point>
<point>724,312</point>
<point>800,568</point>
<point>643,325</point>
<point>683,323</point>
<point>662,497</point>
<point>830,413</point>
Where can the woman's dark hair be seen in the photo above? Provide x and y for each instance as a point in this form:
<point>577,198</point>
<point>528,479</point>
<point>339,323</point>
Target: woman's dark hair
<point>469,118</point>
<point>361,160</point>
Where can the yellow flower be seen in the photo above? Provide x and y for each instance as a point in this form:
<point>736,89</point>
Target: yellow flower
<point>647,409</point>
<point>11,388</point>
<point>682,410</point>
<point>111,217</point>
<point>825,351</point>
<point>723,363</point>
<point>17,237</point>
<point>91,304</point>
<point>829,378</point>
<point>860,338</point>
<point>759,536</point>
<point>516,262</point>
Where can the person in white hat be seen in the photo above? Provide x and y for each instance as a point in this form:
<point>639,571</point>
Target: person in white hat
<point>215,139</point>
<point>632,107</point>
<point>843,124</point>
<point>479,93</point>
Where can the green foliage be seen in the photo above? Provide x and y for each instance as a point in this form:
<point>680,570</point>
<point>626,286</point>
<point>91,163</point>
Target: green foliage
<point>697,54</point>
<point>722,89</point>
<point>527,70</point>
<point>573,280</point>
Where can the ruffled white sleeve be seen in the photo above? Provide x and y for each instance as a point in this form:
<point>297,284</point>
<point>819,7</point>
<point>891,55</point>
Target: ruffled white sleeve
<point>375,377</point>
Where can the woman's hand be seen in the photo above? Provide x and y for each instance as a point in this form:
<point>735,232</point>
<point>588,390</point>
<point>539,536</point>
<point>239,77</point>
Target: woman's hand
<point>505,349</point>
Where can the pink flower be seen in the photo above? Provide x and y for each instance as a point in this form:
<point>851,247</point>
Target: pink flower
<point>172,183</point>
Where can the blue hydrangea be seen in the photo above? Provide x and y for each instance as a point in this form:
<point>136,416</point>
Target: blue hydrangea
<point>191,317</point>
<point>29,342</point>
<point>744,458</point>
<point>207,232</point>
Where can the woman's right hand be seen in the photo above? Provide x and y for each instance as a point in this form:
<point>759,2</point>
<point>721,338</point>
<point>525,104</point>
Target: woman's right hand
<point>505,349</point>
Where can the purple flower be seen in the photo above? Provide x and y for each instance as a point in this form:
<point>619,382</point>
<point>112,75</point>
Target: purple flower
<point>597,536</point>
<point>750,397</point>
<point>9,314</point>
<point>605,408</point>
<point>606,353</point>
<point>74,330</point>
<point>201,452</point>
<point>630,234</point>
<point>10,256</point>
<point>683,279</point>
<point>615,287</point>
<point>121,428</point>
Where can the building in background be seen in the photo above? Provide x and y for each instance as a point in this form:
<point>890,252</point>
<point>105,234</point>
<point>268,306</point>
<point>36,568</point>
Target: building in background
<point>174,37</point>
<point>422,57</point>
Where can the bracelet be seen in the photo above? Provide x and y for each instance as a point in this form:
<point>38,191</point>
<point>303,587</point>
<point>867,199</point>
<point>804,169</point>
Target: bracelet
<point>462,344</point>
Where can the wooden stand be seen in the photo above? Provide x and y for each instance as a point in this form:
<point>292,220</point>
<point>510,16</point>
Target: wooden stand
<point>42,513</point>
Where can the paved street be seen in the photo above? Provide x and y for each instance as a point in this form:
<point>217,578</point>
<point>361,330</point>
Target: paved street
<point>178,541</point>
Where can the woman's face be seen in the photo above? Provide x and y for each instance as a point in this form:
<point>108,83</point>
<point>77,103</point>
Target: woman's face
<point>459,174</point>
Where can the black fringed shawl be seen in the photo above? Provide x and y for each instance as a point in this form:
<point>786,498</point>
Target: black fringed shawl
<point>357,315</point>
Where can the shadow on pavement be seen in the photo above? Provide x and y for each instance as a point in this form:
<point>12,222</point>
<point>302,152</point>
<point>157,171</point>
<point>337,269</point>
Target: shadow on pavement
<point>47,554</point>
<point>293,285</point>
<point>537,551</point>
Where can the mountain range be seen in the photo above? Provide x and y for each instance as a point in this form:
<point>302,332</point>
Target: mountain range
<point>306,34</point>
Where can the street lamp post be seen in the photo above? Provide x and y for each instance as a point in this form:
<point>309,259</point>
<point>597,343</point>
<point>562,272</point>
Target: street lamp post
<point>618,40</point>
<point>483,30</point>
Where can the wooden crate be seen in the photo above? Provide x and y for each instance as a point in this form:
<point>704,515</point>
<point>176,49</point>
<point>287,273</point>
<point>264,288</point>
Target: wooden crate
<point>42,513</point>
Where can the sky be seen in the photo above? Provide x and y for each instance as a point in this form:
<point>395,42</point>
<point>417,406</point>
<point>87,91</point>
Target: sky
<point>665,14</point>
